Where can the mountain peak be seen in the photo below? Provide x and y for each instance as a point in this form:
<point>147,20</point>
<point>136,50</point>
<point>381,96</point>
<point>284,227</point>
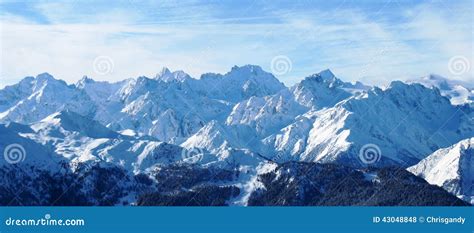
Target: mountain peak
<point>166,75</point>
<point>247,68</point>
<point>458,92</point>
<point>327,74</point>
<point>27,79</point>
<point>84,81</point>
<point>398,84</point>
<point>432,80</point>
<point>410,94</point>
<point>46,80</point>
<point>252,72</point>
<point>240,83</point>
<point>45,77</point>
<point>180,75</point>
<point>320,90</point>
<point>442,83</point>
<point>164,72</point>
<point>325,77</point>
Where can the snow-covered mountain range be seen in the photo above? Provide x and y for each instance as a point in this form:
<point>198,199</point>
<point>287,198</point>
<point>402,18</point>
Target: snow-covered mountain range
<point>238,123</point>
<point>457,91</point>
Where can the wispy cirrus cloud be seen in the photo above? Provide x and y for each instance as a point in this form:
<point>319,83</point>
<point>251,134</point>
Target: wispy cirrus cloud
<point>374,42</point>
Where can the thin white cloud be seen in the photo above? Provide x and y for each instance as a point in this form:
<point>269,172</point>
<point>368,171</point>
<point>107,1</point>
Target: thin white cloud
<point>354,46</point>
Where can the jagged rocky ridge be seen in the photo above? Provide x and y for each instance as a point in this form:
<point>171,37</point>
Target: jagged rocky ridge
<point>239,122</point>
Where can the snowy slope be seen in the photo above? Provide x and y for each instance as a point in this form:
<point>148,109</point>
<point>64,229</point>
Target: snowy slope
<point>78,139</point>
<point>323,90</point>
<point>11,95</point>
<point>68,121</point>
<point>403,123</point>
<point>266,114</point>
<point>406,122</point>
<point>270,114</point>
<point>218,138</point>
<point>39,97</point>
<point>21,150</point>
<point>290,142</point>
<point>451,168</point>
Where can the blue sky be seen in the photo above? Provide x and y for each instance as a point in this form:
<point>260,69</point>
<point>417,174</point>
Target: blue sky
<point>372,41</point>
